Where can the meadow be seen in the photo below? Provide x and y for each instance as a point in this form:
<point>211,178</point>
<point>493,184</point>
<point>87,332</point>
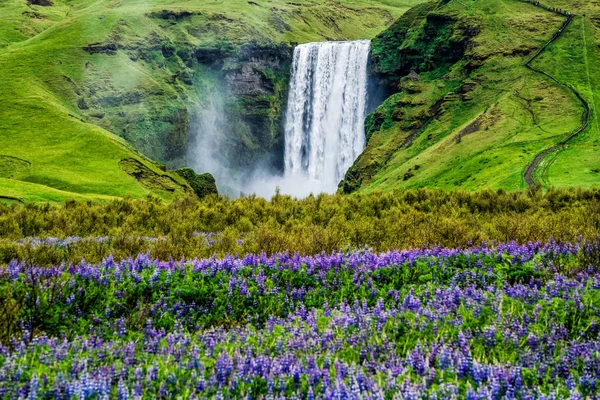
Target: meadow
<point>473,116</point>
<point>411,295</point>
<point>503,322</point>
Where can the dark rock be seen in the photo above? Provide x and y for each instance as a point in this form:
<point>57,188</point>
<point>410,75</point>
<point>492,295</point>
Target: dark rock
<point>44,3</point>
<point>104,48</point>
<point>221,17</point>
<point>248,80</point>
<point>413,76</point>
<point>168,50</point>
<point>120,99</point>
<point>186,55</point>
<point>81,103</point>
<point>398,114</point>
<point>257,65</point>
<point>173,15</point>
<point>374,122</point>
<point>269,54</point>
<point>98,114</point>
<point>208,55</point>
<point>466,87</point>
<point>186,76</point>
<point>203,185</point>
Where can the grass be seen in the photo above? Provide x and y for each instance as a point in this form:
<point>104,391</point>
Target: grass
<point>523,112</point>
<point>45,72</point>
<point>25,192</point>
<point>578,163</point>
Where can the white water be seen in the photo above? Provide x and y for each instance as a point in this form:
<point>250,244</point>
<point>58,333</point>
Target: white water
<point>327,104</point>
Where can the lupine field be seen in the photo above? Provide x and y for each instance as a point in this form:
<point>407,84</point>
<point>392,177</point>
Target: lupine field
<point>506,321</point>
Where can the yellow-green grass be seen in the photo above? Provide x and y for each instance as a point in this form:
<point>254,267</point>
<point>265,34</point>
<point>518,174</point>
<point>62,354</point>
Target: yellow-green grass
<point>24,192</point>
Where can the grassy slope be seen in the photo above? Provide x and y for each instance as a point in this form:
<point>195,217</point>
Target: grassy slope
<point>579,162</point>
<point>68,157</point>
<point>513,128</point>
<point>42,65</point>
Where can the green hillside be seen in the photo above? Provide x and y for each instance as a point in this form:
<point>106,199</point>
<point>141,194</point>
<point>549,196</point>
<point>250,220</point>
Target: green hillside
<point>468,113</point>
<point>76,75</point>
<point>100,99</point>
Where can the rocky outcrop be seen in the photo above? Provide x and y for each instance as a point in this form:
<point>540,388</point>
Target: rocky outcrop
<point>257,79</point>
<point>173,15</point>
<point>203,185</point>
<point>149,178</point>
<point>43,3</point>
<point>104,48</point>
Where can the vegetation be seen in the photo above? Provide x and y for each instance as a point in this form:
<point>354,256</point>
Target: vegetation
<point>44,234</point>
<point>464,111</point>
<point>203,185</point>
<point>484,322</point>
<point>395,291</point>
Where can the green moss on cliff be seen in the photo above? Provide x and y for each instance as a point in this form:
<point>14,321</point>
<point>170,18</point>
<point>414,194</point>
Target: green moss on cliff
<point>203,184</point>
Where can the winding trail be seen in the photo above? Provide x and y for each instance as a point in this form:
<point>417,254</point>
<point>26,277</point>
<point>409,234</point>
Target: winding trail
<point>585,117</point>
<point>587,72</point>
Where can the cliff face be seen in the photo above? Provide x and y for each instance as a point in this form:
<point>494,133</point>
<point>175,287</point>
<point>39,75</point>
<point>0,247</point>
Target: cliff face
<point>161,117</point>
<point>257,78</point>
<point>151,85</point>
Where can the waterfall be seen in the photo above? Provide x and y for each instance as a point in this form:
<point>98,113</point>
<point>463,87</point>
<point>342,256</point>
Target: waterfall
<point>324,131</point>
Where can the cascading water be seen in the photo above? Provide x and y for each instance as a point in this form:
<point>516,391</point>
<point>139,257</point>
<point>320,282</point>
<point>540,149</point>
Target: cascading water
<point>326,111</point>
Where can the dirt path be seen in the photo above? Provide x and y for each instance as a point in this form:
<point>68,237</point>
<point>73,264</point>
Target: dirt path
<point>585,118</point>
<point>587,71</point>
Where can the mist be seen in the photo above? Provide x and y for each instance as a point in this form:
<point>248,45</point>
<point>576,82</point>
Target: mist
<point>208,148</point>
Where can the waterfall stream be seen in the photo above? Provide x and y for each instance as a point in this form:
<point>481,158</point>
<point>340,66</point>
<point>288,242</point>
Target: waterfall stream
<point>324,132</point>
<point>324,125</point>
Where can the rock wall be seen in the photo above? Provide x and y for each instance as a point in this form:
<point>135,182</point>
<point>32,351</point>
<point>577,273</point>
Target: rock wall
<point>257,79</point>
<point>159,115</point>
